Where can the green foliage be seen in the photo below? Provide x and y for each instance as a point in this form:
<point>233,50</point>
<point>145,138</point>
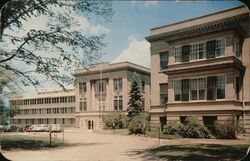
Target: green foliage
<point>227,129</point>
<point>135,98</point>
<point>139,124</point>
<point>174,128</point>
<point>194,129</point>
<point>53,51</point>
<point>115,120</point>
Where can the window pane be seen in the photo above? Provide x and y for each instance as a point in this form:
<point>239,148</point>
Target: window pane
<point>220,87</point>
<point>194,52</point>
<point>211,45</point>
<point>211,88</point>
<point>202,50</point>
<point>185,89</point>
<point>177,90</point>
<point>185,50</point>
<point>164,60</point>
<point>177,54</point>
<point>220,47</point>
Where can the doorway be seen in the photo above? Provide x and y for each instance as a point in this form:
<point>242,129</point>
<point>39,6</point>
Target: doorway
<point>90,124</point>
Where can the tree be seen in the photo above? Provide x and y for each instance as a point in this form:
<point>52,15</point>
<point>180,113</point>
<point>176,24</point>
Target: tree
<point>11,112</point>
<point>56,49</point>
<point>135,97</point>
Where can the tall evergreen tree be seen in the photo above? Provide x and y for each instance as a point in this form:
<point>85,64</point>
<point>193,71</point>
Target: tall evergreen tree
<point>135,97</point>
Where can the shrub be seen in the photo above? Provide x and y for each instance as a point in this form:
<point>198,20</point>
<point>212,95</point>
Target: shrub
<point>173,128</point>
<point>139,124</point>
<point>115,120</point>
<point>194,129</point>
<point>227,129</point>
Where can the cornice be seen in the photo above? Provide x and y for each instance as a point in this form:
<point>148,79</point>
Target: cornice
<point>219,25</point>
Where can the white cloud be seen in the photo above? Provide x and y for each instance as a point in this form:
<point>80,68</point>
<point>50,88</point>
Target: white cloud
<point>146,3</point>
<point>150,3</point>
<point>138,52</point>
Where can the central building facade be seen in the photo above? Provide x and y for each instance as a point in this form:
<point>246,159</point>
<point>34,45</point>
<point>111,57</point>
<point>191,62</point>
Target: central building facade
<point>104,88</point>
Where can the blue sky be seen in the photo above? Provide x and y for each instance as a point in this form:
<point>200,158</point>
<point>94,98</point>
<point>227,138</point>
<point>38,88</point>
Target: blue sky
<point>132,22</point>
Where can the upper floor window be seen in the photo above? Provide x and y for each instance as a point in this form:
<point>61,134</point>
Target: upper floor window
<point>163,94</point>
<point>83,105</point>
<point>208,50</point>
<point>164,60</point>
<point>82,87</point>
<point>236,48</point>
<point>101,86</point>
<point>117,83</point>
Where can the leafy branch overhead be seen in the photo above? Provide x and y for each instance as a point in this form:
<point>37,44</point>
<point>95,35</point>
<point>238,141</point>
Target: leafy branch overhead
<point>56,49</point>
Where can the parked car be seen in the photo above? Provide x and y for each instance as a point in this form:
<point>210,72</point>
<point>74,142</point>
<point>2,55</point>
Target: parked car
<point>28,128</point>
<point>1,128</point>
<point>10,128</point>
<point>40,128</point>
<point>55,128</point>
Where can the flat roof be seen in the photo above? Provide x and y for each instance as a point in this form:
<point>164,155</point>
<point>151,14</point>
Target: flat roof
<point>210,17</point>
<point>109,67</point>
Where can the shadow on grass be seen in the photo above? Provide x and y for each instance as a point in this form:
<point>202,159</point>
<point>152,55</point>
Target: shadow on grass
<point>201,152</point>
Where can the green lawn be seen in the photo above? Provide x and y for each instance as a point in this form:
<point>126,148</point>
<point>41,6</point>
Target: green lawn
<point>27,142</point>
<point>199,152</point>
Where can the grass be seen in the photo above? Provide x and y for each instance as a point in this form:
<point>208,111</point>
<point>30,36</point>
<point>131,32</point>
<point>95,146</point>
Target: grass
<point>199,152</point>
<point>27,142</point>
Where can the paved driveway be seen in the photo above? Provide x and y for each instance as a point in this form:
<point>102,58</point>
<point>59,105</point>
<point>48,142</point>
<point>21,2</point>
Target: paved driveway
<point>89,146</point>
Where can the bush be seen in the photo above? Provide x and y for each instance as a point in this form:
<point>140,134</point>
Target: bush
<point>173,128</point>
<point>194,129</point>
<point>139,124</point>
<point>227,129</point>
<point>115,120</point>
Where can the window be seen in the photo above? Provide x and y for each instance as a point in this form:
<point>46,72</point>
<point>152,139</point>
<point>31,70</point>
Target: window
<point>83,105</point>
<point>163,94</point>
<point>177,90</point>
<point>82,87</point>
<point>202,50</point>
<point>163,121</point>
<point>211,88</point>
<point>177,54</point>
<point>183,119</point>
<point>211,45</point>
<point>194,51</point>
<point>236,48</point>
<point>185,50</point>
<point>220,47</point>
<point>220,87</point>
<point>71,99</point>
<point>202,88</point>
<point>237,87</point>
<point>193,89</point>
<point>185,89</point>
<point>209,122</point>
<point>118,103</point>
<point>163,60</point>
<point>117,82</point>
<point>101,86</point>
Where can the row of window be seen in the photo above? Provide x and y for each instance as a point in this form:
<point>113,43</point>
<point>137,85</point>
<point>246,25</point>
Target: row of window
<point>63,121</point>
<point>118,104</point>
<point>64,110</point>
<point>68,99</point>
<point>206,50</point>
<point>208,88</point>
<point>101,85</point>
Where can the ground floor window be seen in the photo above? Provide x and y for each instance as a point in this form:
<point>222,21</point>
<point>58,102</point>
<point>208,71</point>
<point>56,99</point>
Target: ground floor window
<point>183,119</point>
<point>163,121</point>
<point>209,122</point>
